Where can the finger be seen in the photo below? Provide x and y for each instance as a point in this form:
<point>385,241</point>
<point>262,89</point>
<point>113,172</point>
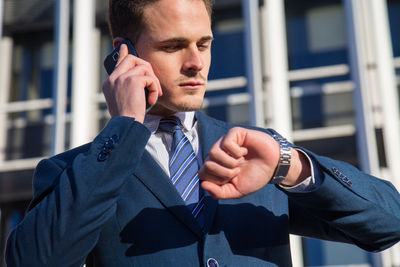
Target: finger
<point>153,85</point>
<point>211,171</point>
<point>139,78</point>
<point>226,191</point>
<point>123,52</point>
<point>225,159</point>
<point>135,67</point>
<point>230,145</point>
<point>138,70</point>
<point>130,63</point>
<point>222,157</point>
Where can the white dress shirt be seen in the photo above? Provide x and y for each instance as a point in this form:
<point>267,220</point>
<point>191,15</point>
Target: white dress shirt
<point>160,142</point>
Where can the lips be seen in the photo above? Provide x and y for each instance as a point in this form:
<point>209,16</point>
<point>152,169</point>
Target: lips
<point>192,83</point>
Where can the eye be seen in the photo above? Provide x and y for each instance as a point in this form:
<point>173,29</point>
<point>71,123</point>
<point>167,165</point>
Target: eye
<point>171,48</point>
<point>204,46</point>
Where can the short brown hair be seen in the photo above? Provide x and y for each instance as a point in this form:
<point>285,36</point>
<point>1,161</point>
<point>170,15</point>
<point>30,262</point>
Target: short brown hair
<point>125,17</point>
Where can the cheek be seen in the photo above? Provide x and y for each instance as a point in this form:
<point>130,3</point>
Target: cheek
<point>166,73</point>
<point>207,64</point>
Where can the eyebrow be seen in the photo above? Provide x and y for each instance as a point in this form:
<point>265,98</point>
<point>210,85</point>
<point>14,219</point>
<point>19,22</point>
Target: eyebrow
<point>183,40</point>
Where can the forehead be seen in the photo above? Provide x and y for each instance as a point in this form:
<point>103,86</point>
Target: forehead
<point>177,18</point>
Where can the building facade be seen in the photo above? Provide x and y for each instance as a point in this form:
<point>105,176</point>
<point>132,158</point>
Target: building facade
<point>324,73</point>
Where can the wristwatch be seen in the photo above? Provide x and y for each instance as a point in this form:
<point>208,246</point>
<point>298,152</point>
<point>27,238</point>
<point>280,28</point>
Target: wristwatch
<point>284,160</point>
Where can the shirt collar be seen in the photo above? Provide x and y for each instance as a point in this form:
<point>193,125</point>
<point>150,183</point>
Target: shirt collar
<point>186,118</point>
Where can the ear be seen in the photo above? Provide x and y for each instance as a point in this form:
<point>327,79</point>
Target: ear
<point>117,41</point>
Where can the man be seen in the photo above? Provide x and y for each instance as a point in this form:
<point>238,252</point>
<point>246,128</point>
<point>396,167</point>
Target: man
<point>115,201</point>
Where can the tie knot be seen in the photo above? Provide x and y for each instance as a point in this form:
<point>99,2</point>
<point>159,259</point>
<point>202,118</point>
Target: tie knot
<point>170,124</point>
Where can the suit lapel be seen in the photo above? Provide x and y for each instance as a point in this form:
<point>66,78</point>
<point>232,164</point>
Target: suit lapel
<point>155,179</point>
<point>209,133</point>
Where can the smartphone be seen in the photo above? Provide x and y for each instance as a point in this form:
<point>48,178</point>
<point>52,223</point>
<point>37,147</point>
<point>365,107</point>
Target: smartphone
<point>111,61</point>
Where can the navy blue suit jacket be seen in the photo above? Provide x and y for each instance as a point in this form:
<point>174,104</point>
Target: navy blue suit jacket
<point>122,210</point>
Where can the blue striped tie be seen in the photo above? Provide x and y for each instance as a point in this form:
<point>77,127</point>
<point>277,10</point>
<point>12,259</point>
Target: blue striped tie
<point>183,167</point>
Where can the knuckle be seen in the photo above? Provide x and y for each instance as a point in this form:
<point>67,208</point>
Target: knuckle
<point>231,173</point>
<point>130,79</point>
<point>106,84</point>
<point>147,64</point>
<point>236,129</point>
<point>208,166</point>
<point>116,81</point>
<point>228,145</point>
<point>111,79</point>
<point>130,57</point>
<point>213,154</point>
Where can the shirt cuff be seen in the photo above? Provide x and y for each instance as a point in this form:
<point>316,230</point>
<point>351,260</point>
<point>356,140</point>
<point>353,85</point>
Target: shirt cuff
<point>310,183</point>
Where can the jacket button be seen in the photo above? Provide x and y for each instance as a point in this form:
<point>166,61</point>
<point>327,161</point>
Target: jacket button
<point>212,263</point>
<point>109,144</point>
<point>102,156</point>
<point>106,150</point>
<point>115,138</point>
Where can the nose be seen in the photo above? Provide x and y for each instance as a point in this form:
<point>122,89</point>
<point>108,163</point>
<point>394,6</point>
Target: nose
<point>193,61</point>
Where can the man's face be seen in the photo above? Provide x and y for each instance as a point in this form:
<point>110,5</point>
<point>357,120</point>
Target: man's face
<point>177,42</point>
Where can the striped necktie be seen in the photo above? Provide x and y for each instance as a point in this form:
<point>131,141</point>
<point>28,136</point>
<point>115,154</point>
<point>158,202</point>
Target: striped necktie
<point>183,167</point>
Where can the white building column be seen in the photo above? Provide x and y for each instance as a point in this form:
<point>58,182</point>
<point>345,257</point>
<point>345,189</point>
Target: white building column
<point>276,83</point>
<point>364,78</point>
<point>6,48</point>
<point>278,107</point>
<point>60,80</point>
<point>375,97</point>
<point>82,72</point>
<point>1,17</point>
<point>95,111</point>
<point>387,88</point>
<point>253,61</point>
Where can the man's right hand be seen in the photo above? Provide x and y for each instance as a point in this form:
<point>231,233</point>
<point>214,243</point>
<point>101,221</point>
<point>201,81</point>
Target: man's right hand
<point>124,88</point>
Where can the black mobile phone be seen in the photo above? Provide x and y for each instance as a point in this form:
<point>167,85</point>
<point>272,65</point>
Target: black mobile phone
<point>111,61</point>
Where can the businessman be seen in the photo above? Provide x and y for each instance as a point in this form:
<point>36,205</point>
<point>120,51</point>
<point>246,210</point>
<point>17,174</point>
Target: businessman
<point>174,187</point>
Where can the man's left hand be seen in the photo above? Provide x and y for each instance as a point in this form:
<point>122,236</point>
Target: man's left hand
<point>244,161</point>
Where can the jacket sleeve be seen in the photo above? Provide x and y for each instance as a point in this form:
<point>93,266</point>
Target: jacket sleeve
<point>73,200</point>
<point>349,206</point>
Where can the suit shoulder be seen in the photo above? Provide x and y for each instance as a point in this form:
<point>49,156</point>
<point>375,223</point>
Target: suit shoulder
<point>64,159</point>
<point>47,172</point>
<point>227,125</point>
<point>205,119</point>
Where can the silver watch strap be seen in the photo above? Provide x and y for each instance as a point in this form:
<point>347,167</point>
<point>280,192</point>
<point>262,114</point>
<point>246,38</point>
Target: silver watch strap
<point>284,160</point>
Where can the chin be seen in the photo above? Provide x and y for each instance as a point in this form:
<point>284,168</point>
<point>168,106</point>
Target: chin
<point>190,108</point>
<point>171,108</point>
<point>187,106</point>
<point>188,103</point>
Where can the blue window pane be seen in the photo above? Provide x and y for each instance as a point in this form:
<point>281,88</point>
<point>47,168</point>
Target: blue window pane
<point>46,83</point>
<point>313,108</point>
<point>227,55</point>
<point>394,20</point>
<point>316,33</point>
